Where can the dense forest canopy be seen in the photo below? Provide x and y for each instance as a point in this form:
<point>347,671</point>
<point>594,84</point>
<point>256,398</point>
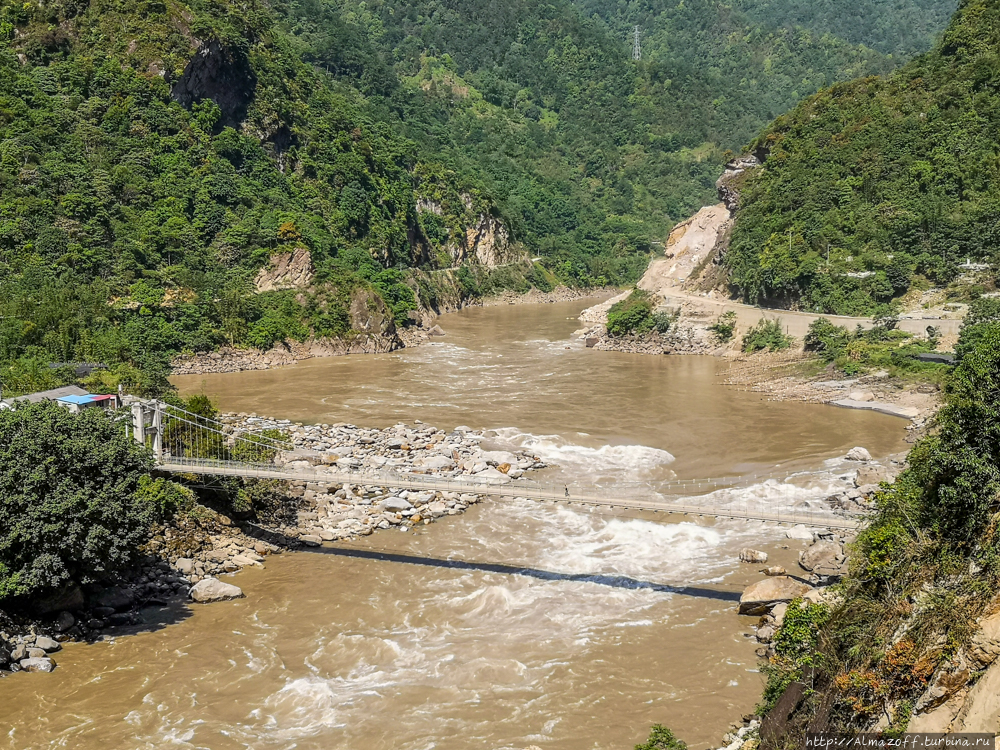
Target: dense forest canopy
<point>155,155</point>
<point>873,186</point>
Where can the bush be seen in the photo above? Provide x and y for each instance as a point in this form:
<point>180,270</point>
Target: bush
<point>724,327</point>
<point>767,334</point>
<point>249,450</point>
<point>661,738</point>
<point>826,339</point>
<point>166,497</point>
<point>634,314</point>
<point>71,508</point>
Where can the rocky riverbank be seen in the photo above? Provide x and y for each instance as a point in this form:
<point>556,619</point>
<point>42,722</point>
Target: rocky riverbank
<point>818,567</point>
<point>185,560</point>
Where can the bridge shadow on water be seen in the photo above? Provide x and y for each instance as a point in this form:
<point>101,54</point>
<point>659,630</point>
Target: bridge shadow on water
<point>602,579</point>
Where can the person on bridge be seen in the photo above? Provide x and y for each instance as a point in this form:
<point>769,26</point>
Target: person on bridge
<point>567,490</point>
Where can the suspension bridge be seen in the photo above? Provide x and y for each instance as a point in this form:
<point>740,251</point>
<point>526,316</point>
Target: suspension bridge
<point>186,443</point>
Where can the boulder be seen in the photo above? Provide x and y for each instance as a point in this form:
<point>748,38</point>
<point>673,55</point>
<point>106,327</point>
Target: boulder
<point>244,561</point>
<point>748,555</point>
<point>433,463</point>
<point>20,652</point>
<point>821,555</point>
<point>184,565</point>
<point>765,633</point>
<point>871,474</point>
<point>775,570</point>
<point>858,454</point>
<point>47,644</point>
<point>436,331</point>
<point>310,540</point>
<point>395,504</point>
<point>36,653</point>
<point>778,613</point>
<point>116,598</point>
<point>758,597</point>
<point>37,664</point>
<point>799,532</point>
<point>64,622</point>
<point>492,476</point>
<point>214,590</point>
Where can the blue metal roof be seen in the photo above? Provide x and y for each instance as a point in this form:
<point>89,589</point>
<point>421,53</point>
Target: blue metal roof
<point>79,400</point>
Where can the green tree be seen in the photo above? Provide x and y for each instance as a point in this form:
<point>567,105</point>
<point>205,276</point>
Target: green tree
<point>70,502</point>
<point>661,738</point>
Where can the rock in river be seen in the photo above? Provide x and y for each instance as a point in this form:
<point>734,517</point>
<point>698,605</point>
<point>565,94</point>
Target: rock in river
<point>38,664</point>
<point>214,590</point>
<point>748,555</point>
<point>47,644</point>
<point>758,597</point>
<point>858,454</point>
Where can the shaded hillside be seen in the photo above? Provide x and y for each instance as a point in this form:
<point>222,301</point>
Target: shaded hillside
<point>894,177</point>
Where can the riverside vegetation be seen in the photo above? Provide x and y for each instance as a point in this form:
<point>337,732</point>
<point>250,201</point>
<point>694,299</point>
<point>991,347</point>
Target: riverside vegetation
<point>157,156</point>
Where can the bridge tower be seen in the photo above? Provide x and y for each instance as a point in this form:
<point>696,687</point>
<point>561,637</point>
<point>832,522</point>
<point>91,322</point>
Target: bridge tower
<point>636,49</point>
<point>147,422</point>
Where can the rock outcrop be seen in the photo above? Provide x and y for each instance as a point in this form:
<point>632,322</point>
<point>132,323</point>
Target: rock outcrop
<point>730,183</point>
<point>291,270</point>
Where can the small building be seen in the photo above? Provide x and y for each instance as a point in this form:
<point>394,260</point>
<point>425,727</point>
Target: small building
<point>72,397</point>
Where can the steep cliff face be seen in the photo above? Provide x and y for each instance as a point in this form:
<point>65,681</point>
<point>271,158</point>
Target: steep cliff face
<point>474,236</point>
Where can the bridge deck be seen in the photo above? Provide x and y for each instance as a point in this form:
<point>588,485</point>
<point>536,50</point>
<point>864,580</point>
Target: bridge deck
<point>515,488</point>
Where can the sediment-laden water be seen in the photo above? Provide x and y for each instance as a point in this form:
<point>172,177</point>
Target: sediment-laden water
<point>515,624</point>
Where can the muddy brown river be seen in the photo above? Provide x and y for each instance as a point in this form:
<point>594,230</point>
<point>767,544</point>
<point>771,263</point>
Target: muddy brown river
<point>514,625</point>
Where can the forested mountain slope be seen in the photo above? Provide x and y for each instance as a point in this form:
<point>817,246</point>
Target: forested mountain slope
<point>899,27</point>
<point>895,179</point>
<point>155,156</point>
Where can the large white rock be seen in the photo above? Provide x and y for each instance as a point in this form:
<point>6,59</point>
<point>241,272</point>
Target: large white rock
<point>214,590</point>
<point>758,597</point>
<point>749,555</point>
<point>434,462</point>
<point>799,532</point>
<point>858,454</point>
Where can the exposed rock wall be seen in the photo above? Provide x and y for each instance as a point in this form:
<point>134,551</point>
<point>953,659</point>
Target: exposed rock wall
<point>291,270</point>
